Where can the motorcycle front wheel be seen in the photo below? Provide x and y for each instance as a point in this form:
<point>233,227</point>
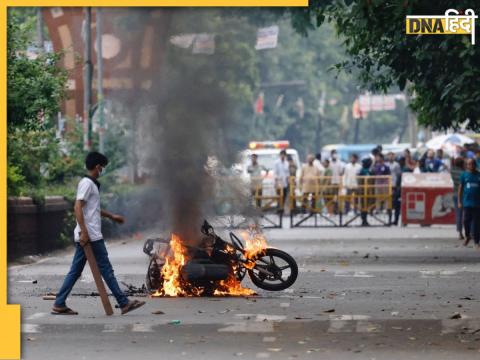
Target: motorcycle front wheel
<point>274,270</point>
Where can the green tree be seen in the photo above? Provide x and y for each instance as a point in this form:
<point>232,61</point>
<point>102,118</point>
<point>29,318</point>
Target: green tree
<point>35,86</point>
<point>443,70</point>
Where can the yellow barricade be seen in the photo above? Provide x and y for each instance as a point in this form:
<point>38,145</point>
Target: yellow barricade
<point>326,194</point>
<point>266,195</point>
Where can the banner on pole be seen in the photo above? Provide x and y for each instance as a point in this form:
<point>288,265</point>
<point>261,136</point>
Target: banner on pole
<point>204,44</point>
<point>267,38</point>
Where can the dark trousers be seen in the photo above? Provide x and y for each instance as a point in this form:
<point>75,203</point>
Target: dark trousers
<point>258,202</point>
<point>78,263</point>
<point>458,214</point>
<point>351,200</point>
<point>471,223</point>
<point>397,204</point>
<point>281,202</point>
<point>313,201</point>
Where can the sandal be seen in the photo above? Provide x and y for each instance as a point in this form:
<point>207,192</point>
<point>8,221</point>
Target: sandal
<point>63,311</point>
<point>132,305</point>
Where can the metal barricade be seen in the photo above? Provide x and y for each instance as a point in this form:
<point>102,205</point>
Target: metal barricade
<point>322,202</point>
<point>270,200</point>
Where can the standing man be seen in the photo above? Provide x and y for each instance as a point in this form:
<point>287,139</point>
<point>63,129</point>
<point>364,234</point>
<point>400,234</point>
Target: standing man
<point>350,182</point>
<point>88,230</point>
<point>365,185</point>
<point>310,183</point>
<point>456,172</point>
<point>337,166</point>
<point>469,200</point>
<point>381,170</point>
<point>445,164</point>
<point>432,164</point>
<point>318,163</point>
<point>281,169</point>
<point>395,169</point>
<point>256,179</point>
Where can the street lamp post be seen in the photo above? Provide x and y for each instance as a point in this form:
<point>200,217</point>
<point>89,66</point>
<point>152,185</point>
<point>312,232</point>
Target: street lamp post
<point>101,130</point>
<point>87,81</point>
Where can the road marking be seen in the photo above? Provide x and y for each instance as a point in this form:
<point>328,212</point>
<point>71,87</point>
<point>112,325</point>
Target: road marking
<point>244,316</point>
<point>265,317</point>
<point>249,327</point>
<point>261,317</point>
<point>444,274</point>
<point>347,323</point>
<point>285,305</point>
<point>338,326</point>
<point>349,317</point>
<point>36,316</point>
<point>26,281</point>
<point>262,355</point>
<point>142,328</point>
<point>367,327</point>
<point>30,328</point>
<point>269,339</point>
<point>113,328</point>
<point>355,274</point>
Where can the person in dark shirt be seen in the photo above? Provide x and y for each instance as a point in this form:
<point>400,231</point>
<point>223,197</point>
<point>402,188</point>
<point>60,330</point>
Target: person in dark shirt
<point>365,189</point>
<point>457,170</point>
<point>432,164</point>
<point>381,170</point>
<point>469,200</point>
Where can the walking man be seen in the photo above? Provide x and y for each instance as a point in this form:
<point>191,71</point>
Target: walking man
<point>88,230</point>
<point>469,200</point>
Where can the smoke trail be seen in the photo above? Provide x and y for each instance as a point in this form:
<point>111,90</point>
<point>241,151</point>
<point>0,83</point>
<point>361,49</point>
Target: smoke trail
<point>192,116</point>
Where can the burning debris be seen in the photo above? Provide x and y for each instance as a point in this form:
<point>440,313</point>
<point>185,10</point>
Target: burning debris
<point>216,267</point>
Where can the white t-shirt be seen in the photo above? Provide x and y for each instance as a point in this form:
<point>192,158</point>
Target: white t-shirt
<point>350,175</point>
<point>281,173</point>
<point>337,170</point>
<point>318,164</point>
<point>88,192</point>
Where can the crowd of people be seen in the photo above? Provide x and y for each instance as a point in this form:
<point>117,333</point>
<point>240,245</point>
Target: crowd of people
<point>320,181</point>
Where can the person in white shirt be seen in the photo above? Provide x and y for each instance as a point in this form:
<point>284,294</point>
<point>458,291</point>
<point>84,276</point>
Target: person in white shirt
<point>318,163</point>
<point>281,178</point>
<point>337,167</point>
<point>89,231</point>
<point>350,182</point>
<point>445,166</point>
<point>395,169</point>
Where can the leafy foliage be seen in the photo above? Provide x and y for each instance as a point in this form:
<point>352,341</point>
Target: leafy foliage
<point>443,70</point>
<point>35,85</point>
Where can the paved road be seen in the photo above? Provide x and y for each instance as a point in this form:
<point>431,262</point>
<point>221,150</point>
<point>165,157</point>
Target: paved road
<point>375,293</point>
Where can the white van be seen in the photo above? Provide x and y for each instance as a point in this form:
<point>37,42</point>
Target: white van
<point>268,153</point>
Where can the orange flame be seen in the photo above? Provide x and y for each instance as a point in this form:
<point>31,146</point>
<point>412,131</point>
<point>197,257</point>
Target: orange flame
<point>255,243</point>
<point>175,285</point>
<point>171,270</point>
<point>232,287</point>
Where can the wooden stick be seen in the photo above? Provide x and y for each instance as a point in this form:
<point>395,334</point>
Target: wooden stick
<point>98,279</point>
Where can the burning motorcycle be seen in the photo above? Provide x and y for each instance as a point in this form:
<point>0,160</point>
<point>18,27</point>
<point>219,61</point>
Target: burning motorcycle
<point>215,266</point>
